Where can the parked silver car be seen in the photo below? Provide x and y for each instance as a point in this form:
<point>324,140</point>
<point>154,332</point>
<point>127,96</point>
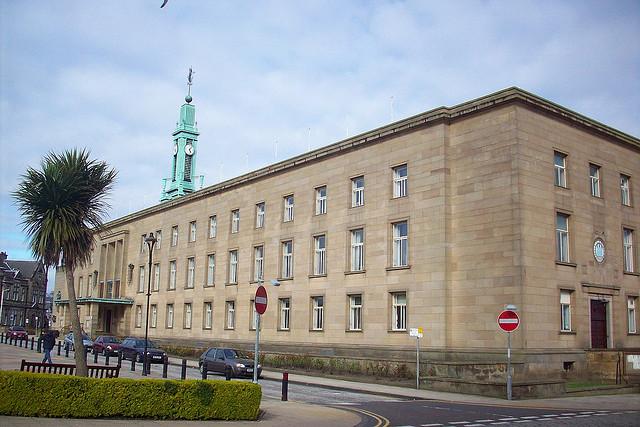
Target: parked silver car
<point>228,361</point>
<point>69,344</point>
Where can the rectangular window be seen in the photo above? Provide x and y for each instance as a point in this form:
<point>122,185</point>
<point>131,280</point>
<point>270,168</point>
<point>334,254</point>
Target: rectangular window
<point>174,235</point>
<point>208,315</point>
<point>317,314</point>
<point>400,181</point>
<point>192,231</point>
<point>560,164</point>
<point>211,269</point>
<point>138,316</point>
<point>357,249</point>
<point>594,177</point>
<point>631,315</point>
<point>141,282</point>
<point>172,274</point>
<point>143,244</point>
<point>213,226</point>
<point>156,276</point>
<point>287,259</point>
<point>231,315</point>
<point>235,220</point>
<point>357,191</point>
<point>169,315</point>
<point>258,263</point>
<point>288,208</point>
<point>625,189</point>
<point>565,311</point>
<point>399,311</point>
<point>562,237</point>
<point>233,267</point>
<point>628,250</point>
<point>355,312</point>
<point>154,316</point>
<point>321,200</point>
<point>187,316</point>
<point>319,258</point>
<point>285,312</point>
<point>400,244</point>
<point>191,272</point>
<point>158,239</point>
<point>260,215</point>
<point>80,286</point>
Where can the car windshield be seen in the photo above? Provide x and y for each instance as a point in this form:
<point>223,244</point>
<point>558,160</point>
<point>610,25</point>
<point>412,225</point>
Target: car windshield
<point>18,328</point>
<point>110,340</point>
<point>234,354</point>
<point>140,344</point>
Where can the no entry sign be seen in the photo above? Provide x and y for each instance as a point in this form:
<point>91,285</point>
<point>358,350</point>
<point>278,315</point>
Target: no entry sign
<point>261,300</point>
<point>508,320</point>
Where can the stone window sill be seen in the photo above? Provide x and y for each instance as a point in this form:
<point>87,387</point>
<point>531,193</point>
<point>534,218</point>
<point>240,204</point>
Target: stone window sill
<point>404,267</point>
<point>347,273</point>
<point>632,273</point>
<point>567,264</point>
<point>567,332</point>
<point>315,276</point>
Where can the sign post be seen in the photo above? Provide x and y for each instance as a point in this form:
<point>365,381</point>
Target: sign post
<point>508,321</point>
<point>260,302</point>
<point>417,332</point>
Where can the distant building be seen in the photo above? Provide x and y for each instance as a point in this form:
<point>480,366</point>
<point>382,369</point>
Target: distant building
<point>23,288</point>
<point>437,221</point>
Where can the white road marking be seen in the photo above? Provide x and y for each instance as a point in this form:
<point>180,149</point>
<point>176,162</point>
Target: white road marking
<point>587,412</point>
<point>568,414</point>
<point>458,422</point>
<point>550,415</point>
<point>530,417</point>
<point>583,416</point>
<point>522,421</point>
<point>508,419</point>
<point>430,425</point>
<point>499,424</point>
<point>483,421</point>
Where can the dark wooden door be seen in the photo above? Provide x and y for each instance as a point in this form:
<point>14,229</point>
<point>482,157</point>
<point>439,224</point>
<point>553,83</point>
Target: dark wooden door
<point>598,324</point>
<point>107,321</point>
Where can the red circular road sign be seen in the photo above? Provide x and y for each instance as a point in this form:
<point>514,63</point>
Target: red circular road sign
<point>508,320</point>
<point>261,300</point>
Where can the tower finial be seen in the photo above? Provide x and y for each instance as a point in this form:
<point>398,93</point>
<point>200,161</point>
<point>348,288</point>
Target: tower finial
<point>188,98</point>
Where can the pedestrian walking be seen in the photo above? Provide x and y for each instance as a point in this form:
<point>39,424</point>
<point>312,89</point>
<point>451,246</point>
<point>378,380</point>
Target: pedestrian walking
<point>48,342</point>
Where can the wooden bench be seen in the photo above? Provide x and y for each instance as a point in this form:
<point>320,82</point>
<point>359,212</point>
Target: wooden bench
<point>95,371</point>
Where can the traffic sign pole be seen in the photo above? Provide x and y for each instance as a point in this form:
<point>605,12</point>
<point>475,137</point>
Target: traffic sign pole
<point>417,363</point>
<point>255,353</point>
<point>508,365</point>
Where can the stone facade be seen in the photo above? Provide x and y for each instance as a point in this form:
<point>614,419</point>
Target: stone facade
<point>480,213</point>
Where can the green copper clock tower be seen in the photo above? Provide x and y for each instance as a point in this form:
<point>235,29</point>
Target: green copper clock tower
<point>185,147</point>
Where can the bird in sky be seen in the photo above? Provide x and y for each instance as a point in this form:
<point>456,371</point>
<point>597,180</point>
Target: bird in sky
<point>164,3</point>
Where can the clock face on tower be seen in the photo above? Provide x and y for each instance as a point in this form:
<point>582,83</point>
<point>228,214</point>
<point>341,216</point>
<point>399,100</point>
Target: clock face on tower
<point>175,148</point>
<point>188,149</point>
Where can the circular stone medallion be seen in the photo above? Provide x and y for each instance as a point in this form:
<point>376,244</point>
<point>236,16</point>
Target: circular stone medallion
<point>598,250</point>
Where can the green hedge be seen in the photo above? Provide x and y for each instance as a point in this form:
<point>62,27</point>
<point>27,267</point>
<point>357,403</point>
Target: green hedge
<point>49,395</point>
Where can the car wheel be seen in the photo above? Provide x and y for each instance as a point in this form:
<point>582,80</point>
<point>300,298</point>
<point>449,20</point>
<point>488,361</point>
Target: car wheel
<point>201,367</point>
<point>228,372</point>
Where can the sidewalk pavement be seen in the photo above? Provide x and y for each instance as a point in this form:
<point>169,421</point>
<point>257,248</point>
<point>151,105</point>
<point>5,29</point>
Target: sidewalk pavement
<point>278,413</point>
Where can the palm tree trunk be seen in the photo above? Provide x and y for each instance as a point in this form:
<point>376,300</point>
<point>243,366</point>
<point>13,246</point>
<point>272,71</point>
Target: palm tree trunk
<point>80,354</point>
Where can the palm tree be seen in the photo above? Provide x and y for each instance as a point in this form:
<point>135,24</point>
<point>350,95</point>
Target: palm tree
<point>62,207</point>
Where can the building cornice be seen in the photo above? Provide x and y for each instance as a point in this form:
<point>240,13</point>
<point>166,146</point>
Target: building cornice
<point>431,117</point>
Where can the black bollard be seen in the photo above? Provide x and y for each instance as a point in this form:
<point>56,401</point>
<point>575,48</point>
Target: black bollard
<point>165,365</point>
<point>285,386</point>
<point>39,345</point>
<point>32,343</point>
<point>204,370</point>
<point>59,345</point>
<point>119,359</point>
<point>95,357</point>
<point>133,364</point>
<point>66,351</point>
<point>183,374</point>
<point>106,359</point>
<point>1,338</point>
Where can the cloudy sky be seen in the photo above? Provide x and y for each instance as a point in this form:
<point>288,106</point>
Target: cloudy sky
<point>111,76</point>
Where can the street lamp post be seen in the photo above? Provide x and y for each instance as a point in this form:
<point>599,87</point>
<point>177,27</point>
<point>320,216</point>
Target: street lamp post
<point>150,241</point>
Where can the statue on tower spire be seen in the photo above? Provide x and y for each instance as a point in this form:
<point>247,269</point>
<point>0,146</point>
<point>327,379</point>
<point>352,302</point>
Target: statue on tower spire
<point>189,83</point>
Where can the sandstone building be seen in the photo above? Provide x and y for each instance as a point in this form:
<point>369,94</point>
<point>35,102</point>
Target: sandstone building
<point>436,221</point>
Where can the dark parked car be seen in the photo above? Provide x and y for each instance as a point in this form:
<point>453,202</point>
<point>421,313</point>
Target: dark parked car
<point>17,332</point>
<point>69,344</point>
<point>228,361</point>
<point>133,349</point>
<point>106,344</point>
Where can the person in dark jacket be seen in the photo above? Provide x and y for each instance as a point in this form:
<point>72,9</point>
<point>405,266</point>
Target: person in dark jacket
<point>48,342</point>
